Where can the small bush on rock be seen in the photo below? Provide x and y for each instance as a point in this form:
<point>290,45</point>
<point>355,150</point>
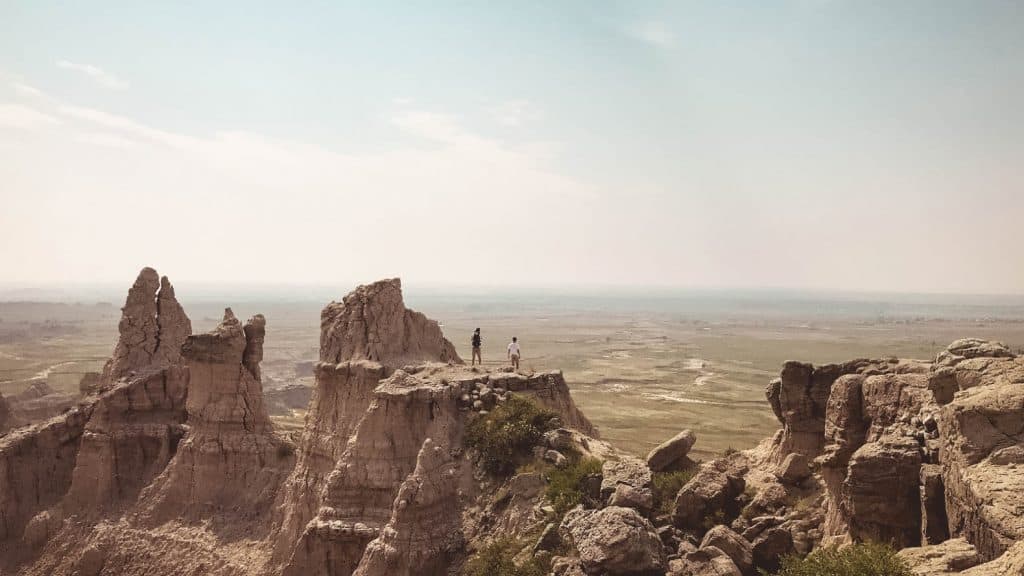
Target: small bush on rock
<point>665,487</point>
<point>868,559</point>
<point>496,560</point>
<point>565,485</point>
<point>508,433</point>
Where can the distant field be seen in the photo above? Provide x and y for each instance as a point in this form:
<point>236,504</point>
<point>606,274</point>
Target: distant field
<point>641,369</point>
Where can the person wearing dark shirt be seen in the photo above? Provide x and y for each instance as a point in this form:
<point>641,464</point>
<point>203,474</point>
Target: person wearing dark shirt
<point>476,341</point>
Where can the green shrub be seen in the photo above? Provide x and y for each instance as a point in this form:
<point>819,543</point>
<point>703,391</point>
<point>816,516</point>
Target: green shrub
<point>714,519</point>
<point>666,485</point>
<point>496,560</point>
<point>507,433</point>
<point>868,559</point>
<point>565,485</point>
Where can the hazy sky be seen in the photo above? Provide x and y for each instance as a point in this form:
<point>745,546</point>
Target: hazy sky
<point>816,144</point>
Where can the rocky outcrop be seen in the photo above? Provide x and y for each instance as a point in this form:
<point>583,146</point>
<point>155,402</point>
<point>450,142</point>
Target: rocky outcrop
<point>341,397</point>
<point>36,464</point>
<point>7,420</point>
<point>255,331</point>
<point>372,323</point>
<point>98,456</point>
<point>133,432</point>
<point>152,330</point>
<point>982,433</point>
<point>614,541</point>
<point>550,389</point>
<point>799,398</point>
<point>423,536</point>
<point>230,463</point>
<point>359,492</point>
<point>875,447</point>
<point>972,362</point>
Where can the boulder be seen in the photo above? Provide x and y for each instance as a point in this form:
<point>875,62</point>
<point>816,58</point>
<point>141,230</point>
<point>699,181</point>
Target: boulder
<point>950,557</point>
<point>671,452</point>
<point>615,541</point>
<point>712,490</point>
<point>709,561</point>
<point>735,547</point>
<point>769,548</point>
<point>627,482</point>
<point>794,469</point>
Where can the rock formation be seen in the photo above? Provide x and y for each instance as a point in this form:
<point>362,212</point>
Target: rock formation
<point>423,536</point>
<point>153,327</point>
<point>6,418</point>
<point>372,323</point>
<point>229,463</point>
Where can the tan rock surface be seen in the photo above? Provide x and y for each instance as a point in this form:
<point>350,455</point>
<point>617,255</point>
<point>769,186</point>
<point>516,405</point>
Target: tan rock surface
<point>423,536</point>
<point>230,464</point>
<point>982,432</point>
<point>614,541</point>
<point>672,452</point>
<point>152,329</point>
<point>949,557</point>
<point>372,323</point>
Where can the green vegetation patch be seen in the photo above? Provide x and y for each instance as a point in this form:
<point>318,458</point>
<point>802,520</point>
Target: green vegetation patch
<point>666,485</point>
<point>565,485</point>
<point>496,560</point>
<point>507,434</point>
<point>867,559</point>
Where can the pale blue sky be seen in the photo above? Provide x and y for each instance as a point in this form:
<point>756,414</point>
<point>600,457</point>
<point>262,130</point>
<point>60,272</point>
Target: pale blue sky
<point>805,143</point>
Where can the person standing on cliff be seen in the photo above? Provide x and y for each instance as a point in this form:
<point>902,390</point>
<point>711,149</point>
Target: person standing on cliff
<point>513,353</point>
<point>476,341</point>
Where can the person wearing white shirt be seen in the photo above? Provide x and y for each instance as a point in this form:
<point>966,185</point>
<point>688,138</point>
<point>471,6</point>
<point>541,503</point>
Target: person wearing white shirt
<point>513,353</point>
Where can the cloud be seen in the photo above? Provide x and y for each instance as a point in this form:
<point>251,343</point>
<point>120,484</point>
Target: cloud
<point>514,113</point>
<point>16,116</point>
<point>652,32</point>
<point>98,74</point>
<point>107,140</point>
<point>126,125</point>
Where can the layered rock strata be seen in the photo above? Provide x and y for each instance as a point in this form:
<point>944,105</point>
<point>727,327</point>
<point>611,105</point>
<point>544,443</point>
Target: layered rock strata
<point>230,461</point>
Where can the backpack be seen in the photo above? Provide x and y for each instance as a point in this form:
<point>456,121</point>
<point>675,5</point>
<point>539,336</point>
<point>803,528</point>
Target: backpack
<point>476,340</point>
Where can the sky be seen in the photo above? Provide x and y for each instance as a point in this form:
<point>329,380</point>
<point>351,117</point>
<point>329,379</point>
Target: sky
<point>813,144</point>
